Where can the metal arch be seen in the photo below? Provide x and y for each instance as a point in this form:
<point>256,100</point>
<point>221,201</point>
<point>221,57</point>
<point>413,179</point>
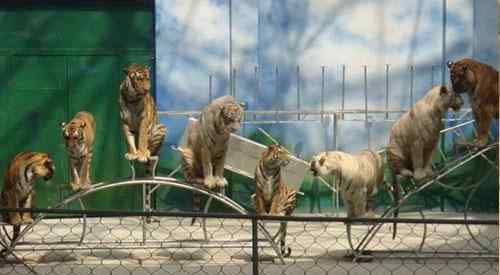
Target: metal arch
<point>466,210</point>
<point>358,251</point>
<point>166,181</point>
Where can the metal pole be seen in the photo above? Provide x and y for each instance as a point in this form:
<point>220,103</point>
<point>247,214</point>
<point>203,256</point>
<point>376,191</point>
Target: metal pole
<point>387,91</point>
<point>343,90</point>
<point>443,60</point>
<point>276,94</point>
<point>366,92</point>
<point>209,88</point>
<point>230,47</point>
<point>432,76</point>
<point>322,92</point>
<point>234,83</point>
<point>412,70</point>
<point>298,92</point>
<point>255,247</point>
<point>257,89</point>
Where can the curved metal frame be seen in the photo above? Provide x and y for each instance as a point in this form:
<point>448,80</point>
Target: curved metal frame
<point>373,230</point>
<point>160,181</point>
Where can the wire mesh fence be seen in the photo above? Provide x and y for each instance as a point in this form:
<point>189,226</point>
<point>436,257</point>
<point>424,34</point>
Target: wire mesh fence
<point>83,242</point>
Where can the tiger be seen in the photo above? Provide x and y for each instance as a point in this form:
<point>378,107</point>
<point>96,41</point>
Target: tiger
<point>272,196</point>
<point>359,177</point>
<point>480,82</point>
<point>78,135</point>
<point>19,178</point>
<point>204,154</point>
<point>415,135</point>
<point>143,131</point>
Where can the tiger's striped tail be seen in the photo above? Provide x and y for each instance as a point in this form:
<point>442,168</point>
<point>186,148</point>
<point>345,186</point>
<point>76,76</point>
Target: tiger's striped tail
<point>158,134</point>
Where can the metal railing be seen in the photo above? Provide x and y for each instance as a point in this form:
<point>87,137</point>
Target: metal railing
<point>114,244</point>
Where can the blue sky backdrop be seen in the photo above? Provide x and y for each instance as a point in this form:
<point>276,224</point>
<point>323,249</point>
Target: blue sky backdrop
<point>193,42</point>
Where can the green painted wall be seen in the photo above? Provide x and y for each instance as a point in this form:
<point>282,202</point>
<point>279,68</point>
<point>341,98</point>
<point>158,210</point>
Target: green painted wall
<point>56,61</point>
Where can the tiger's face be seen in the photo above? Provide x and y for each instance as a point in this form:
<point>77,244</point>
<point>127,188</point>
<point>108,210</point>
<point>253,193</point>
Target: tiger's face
<point>137,80</point>
<point>276,156</point>
<point>73,132</point>
<point>40,165</point>
<point>462,78</point>
<point>230,118</point>
<point>450,99</point>
<point>325,164</point>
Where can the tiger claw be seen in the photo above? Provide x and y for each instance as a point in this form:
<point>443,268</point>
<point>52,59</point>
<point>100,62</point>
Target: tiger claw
<point>210,182</point>
<point>143,156</point>
<point>220,182</point>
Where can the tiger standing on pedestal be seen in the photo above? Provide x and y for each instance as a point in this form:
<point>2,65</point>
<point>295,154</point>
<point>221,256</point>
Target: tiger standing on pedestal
<point>143,132</point>
<point>78,135</point>
<point>272,196</point>
<point>18,190</point>
<point>480,82</point>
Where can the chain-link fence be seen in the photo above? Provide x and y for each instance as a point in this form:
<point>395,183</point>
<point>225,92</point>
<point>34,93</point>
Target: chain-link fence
<point>83,242</point>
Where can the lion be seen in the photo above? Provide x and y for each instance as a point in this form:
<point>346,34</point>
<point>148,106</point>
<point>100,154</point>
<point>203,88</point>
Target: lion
<point>143,132</point>
<point>18,192</point>
<point>480,82</point>
<point>415,135</point>
<point>359,177</point>
<point>204,154</point>
<point>78,137</point>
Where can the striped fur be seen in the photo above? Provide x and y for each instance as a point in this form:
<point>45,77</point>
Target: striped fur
<point>480,82</point>
<point>272,196</point>
<point>142,129</point>
<point>359,177</point>
<point>19,178</point>
<point>78,135</point>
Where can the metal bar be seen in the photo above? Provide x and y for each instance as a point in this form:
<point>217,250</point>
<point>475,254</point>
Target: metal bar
<point>257,88</point>
<point>387,90</point>
<point>443,59</point>
<point>432,76</point>
<point>365,90</point>
<point>343,91</point>
<point>255,247</point>
<point>322,92</point>
<point>230,7</point>
<point>210,88</point>
<point>412,71</point>
<point>298,92</point>
<point>234,83</point>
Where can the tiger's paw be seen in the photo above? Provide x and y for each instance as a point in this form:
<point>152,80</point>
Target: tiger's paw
<point>220,182</point>
<point>27,221</point>
<point>143,156</point>
<point>75,186</point>
<point>210,182</point>
<point>131,156</point>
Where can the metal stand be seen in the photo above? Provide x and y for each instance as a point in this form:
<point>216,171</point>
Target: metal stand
<point>358,251</point>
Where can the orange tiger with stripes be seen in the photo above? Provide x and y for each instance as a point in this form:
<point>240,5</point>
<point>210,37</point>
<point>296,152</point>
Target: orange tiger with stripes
<point>78,135</point>
<point>18,192</point>
<point>272,196</point>
<point>143,132</point>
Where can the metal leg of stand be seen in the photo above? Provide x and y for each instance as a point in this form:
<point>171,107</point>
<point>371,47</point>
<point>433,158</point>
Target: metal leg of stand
<point>84,226</point>
<point>205,211</point>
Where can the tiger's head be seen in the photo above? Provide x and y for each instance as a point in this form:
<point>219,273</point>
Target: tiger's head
<point>462,77</point>
<point>137,82</point>
<point>73,132</point>
<point>36,165</point>
<point>276,156</point>
<point>325,163</point>
<point>446,98</point>
<point>230,118</point>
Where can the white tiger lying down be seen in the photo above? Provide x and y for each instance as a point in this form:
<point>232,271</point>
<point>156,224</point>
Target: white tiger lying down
<point>360,176</point>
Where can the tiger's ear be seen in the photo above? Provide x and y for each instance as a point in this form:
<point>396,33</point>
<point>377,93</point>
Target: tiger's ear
<point>28,174</point>
<point>83,124</point>
<point>449,63</point>
<point>243,105</point>
<point>125,70</point>
<point>322,160</point>
<point>63,124</point>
